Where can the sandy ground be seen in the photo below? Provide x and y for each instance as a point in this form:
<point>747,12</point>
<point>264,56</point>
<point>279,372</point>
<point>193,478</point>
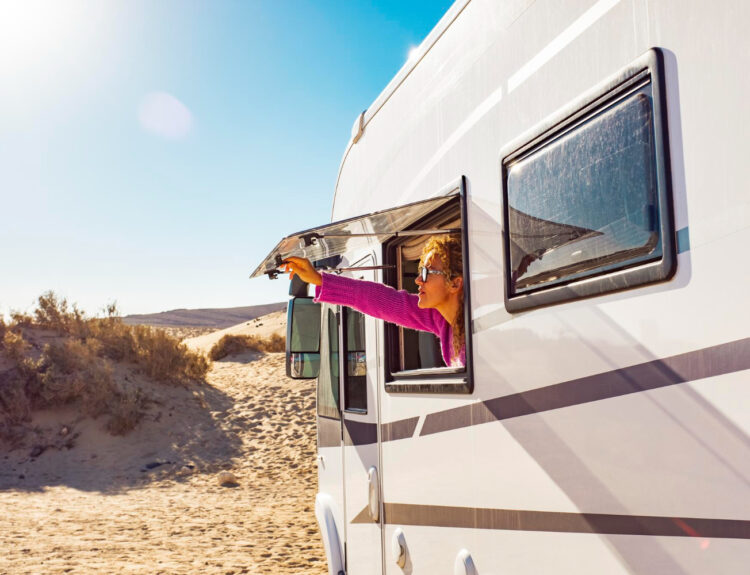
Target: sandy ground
<point>151,502</point>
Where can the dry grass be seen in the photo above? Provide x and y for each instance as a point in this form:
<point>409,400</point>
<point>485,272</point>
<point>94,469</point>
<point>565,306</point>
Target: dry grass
<point>233,344</point>
<point>58,356</point>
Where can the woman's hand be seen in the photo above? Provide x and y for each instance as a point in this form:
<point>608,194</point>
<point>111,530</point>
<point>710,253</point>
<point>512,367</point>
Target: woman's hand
<point>304,270</point>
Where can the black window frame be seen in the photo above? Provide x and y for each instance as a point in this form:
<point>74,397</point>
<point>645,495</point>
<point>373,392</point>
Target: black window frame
<point>647,69</point>
<point>438,379</point>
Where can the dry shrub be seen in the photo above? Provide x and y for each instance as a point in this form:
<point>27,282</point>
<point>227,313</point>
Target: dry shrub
<point>165,358</point>
<point>233,344</point>
<point>15,404</point>
<point>117,340</point>
<point>78,368</point>
<point>14,346</point>
<point>126,411</point>
<point>71,371</point>
<point>19,320</point>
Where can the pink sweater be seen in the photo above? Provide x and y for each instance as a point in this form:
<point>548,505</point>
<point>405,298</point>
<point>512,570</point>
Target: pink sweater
<point>384,302</point>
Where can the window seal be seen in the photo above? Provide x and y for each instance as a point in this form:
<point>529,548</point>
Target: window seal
<point>631,274</point>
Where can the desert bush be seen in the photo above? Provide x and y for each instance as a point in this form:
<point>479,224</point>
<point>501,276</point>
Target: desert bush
<point>72,371</point>
<point>126,410</point>
<point>52,312</point>
<point>78,366</point>
<point>14,345</point>
<point>15,404</point>
<point>233,344</point>
<point>19,319</point>
<point>117,339</point>
<point>165,358</point>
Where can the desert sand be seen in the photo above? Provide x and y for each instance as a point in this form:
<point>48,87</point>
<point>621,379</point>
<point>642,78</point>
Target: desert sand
<point>264,327</point>
<point>77,500</point>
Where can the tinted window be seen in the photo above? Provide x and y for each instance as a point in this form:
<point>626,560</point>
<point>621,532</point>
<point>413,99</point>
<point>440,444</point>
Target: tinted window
<point>355,380</point>
<point>328,381</point>
<point>585,202</point>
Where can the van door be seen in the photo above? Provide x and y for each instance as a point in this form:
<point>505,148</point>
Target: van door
<point>330,499</point>
<point>359,409</point>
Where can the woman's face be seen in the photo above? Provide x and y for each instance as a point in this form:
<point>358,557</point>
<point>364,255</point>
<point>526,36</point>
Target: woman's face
<point>436,290</point>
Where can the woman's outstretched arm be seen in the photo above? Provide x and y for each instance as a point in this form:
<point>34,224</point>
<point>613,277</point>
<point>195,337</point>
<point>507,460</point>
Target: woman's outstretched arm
<point>371,298</point>
<point>379,301</point>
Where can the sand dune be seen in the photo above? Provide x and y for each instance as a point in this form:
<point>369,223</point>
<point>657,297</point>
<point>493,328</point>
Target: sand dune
<point>216,318</point>
<point>262,327</point>
<point>150,502</point>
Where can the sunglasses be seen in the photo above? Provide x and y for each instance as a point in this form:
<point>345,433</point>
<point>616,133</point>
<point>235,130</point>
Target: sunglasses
<point>424,272</point>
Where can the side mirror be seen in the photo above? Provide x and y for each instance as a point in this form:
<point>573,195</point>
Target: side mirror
<point>302,338</point>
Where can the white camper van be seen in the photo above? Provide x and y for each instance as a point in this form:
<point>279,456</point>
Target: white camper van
<point>592,154</point>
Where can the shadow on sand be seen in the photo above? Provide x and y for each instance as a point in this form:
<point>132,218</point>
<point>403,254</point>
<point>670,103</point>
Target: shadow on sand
<point>186,430</point>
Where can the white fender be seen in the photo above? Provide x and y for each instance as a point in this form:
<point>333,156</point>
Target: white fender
<point>334,549</point>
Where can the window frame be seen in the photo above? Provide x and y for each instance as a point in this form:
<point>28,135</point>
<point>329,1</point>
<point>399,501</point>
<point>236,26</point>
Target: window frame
<point>323,409</point>
<point>628,275</point>
<point>438,379</point>
<point>344,345</point>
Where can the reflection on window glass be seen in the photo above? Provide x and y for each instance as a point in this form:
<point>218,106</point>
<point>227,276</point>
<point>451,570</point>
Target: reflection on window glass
<point>586,201</point>
<point>355,380</point>
<point>304,365</point>
<point>328,381</point>
<point>305,326</point>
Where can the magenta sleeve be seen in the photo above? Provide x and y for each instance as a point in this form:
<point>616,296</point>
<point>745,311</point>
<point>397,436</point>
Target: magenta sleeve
<point>379,301</point>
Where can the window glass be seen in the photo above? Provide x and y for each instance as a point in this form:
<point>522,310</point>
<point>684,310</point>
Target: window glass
<point>586,201</point>
<point>355,380</point>
<point>305,326</point>
<point>328,381</point>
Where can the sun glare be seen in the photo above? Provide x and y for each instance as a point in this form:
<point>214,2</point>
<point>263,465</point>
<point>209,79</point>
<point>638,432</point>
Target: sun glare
<point>413,53</point>
<point>33,30</point>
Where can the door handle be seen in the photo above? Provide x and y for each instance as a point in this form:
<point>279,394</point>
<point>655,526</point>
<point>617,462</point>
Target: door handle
<point>373,496</point>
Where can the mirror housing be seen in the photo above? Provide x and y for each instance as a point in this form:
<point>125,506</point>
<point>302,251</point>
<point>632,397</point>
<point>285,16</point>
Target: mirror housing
<point>302,337</point>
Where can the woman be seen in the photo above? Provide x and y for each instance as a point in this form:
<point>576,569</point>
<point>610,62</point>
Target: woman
<point>437,308</point>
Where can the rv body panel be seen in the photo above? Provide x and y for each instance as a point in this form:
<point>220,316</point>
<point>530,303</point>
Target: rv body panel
<point>605,434</point>
<point>361,454</point>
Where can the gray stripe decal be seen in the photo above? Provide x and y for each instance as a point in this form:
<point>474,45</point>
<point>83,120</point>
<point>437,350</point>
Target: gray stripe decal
<point>359,433</point>
<point>708,362</point>
<point>559,522</point>
<point>401,429</point>
<point>329,432</point>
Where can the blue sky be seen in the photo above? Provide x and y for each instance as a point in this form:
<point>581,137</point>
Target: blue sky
<point>154,152</point>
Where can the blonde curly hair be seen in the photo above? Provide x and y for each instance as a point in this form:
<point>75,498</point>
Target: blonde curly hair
<point>448,248</point>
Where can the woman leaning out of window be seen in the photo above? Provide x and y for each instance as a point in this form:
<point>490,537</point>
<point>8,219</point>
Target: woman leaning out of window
<point>437,307</point>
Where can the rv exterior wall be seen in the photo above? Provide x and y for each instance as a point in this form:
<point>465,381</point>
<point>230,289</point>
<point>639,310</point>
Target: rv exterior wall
<point>605,435</point>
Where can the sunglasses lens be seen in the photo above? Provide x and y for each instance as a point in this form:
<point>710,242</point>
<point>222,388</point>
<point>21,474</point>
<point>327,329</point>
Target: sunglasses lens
<point>423,274</point>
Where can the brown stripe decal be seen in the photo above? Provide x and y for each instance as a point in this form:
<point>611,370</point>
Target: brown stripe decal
<point>359,433</point>
<point>558,522</point>
<point>329,432</point>
<point>401,429</point>
<point>708,362</point>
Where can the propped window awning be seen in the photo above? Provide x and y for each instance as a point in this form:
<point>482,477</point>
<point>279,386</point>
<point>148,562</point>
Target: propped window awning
<point>349,235</point>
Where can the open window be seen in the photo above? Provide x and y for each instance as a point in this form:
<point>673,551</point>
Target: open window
<point>414,361</point>
<point>400,231</point>
<point>587,198</point>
